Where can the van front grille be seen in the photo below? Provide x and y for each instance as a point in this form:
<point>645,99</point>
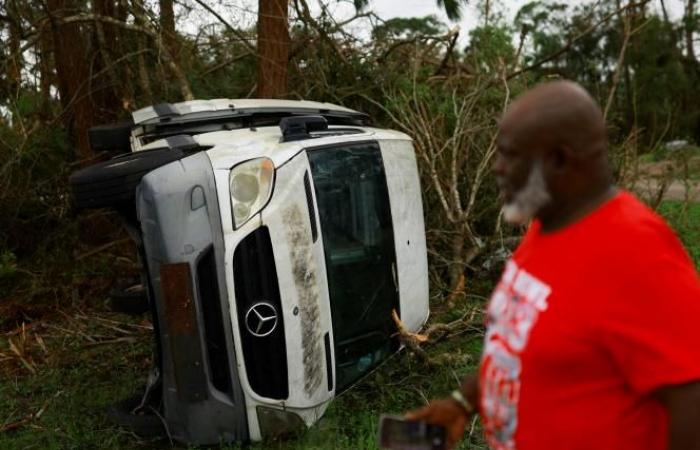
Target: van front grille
<point>260,315</point>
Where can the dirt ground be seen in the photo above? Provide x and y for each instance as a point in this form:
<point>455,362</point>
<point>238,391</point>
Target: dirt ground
<point>653,177</point>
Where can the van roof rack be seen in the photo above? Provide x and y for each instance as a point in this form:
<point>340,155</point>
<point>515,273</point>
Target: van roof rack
<point>296,128</point>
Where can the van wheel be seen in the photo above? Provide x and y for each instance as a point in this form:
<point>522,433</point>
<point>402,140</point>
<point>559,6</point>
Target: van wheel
<point>113,182</point>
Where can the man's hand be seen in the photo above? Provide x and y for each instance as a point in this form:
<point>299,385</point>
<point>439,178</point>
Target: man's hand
<point>447,413</point>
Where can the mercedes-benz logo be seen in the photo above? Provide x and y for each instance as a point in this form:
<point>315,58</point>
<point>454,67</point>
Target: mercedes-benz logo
<point>261,319</point>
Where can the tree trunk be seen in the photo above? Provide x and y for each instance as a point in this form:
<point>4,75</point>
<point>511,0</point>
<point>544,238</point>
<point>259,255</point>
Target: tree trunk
<point>124,69</point>
<point>15,57</point>
<point>73,74</point>
<point>273,48</point>
<point>144,81</point>
<point>46,73</point>
<point>456,264</point>
<point>167,24</point>
<point>164,52</point>
<point>108,95</point>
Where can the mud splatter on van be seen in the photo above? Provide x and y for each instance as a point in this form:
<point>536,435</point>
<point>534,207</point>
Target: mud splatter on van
<point>304,270</point>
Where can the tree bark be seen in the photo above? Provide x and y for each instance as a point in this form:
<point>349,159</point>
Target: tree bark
<point>273,48</point>
<point>14,62</point>
<point>144,81</point>
<point>456,265</point>
<point>109,96</point>
<point>73,73</point>
<point>46,73</point>
<point>167,24</point>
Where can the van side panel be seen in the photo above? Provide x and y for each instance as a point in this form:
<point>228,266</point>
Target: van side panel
<point>409,230</point>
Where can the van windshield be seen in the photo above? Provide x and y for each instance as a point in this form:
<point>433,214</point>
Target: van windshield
<point>356,228</point>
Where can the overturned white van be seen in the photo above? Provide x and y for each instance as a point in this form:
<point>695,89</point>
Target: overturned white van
<point>276,239</point>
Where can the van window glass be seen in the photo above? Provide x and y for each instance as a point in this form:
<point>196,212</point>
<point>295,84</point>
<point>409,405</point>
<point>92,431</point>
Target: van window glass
<point>356,228</point>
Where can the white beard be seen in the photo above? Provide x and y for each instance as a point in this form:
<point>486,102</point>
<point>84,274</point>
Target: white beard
<point>528,200</point>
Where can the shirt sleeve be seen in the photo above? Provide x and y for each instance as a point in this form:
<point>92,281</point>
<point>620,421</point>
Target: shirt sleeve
<point>651,325</point>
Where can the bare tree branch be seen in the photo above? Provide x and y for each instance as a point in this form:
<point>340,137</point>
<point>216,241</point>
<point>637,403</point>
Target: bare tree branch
<point>184,85</point>
<point>448,52</point>
<point>234,31</point>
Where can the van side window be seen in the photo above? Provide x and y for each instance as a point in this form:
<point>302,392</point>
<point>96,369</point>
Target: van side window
<point>358,239</point>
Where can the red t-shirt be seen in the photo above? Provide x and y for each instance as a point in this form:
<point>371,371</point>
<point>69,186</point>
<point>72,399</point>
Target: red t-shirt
<point>585,324</point>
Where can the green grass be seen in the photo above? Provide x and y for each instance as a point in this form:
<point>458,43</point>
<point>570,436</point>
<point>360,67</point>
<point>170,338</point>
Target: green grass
<point>685,219</point>
<point>75,381</point>
<point>63,402</point>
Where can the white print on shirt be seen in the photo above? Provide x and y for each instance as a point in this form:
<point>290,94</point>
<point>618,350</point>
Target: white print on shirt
<point>513,310</point>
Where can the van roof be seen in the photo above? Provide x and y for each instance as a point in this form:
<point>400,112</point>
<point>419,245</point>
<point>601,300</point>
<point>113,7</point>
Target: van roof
<point>222,107</point>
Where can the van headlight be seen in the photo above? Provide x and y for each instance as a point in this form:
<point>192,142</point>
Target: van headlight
<point>250,184</point>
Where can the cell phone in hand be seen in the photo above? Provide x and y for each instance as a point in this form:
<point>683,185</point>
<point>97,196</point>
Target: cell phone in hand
<point>399,433</point>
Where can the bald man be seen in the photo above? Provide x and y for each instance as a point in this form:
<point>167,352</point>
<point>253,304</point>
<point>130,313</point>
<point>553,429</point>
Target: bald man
<point>593,332</point>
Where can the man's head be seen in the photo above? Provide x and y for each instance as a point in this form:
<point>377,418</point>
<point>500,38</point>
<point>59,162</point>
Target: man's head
<point>552,153</point>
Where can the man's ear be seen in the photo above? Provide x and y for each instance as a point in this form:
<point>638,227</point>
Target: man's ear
<point>560,159</point>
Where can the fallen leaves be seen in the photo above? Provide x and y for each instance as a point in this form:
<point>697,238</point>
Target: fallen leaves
<point>12,423</point>
<point>20,346</point>
<point>31,346</point>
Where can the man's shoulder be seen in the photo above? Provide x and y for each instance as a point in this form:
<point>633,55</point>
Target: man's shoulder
<point>630,219</point>
<point>638,233</point>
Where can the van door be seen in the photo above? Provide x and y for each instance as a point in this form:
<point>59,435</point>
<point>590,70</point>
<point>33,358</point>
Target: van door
<point>358,239</point>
